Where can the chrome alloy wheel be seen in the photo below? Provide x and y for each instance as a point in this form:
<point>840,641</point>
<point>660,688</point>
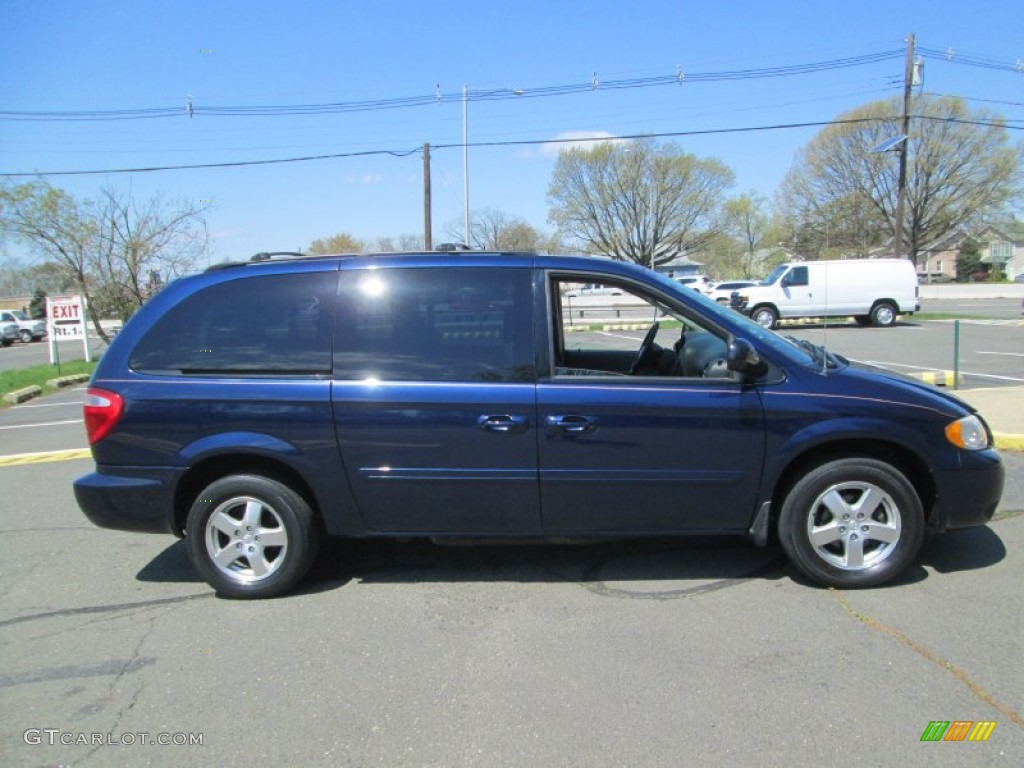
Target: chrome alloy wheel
<point>246,539</point>
<point>854,525</point>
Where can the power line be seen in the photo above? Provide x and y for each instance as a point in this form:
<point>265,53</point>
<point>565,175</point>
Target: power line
<point>514,143</point>
<point>680,77</point>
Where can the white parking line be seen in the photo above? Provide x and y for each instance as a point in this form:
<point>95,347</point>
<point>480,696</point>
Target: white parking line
<point>1007,354</point>
<point>883,364</point>
<point>43,424</point>
<point>74,404</point>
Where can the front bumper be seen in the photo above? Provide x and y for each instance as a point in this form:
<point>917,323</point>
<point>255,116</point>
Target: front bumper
<point>969,495</point>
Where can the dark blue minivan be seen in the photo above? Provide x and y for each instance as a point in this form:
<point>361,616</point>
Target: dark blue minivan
<point>258,406</point>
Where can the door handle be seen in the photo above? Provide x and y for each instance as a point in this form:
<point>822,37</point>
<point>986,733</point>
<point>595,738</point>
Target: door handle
<point>571,424</point>
<point>502,422</point>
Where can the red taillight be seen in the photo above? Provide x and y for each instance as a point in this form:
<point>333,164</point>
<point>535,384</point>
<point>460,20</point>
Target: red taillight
<point>102,410</point>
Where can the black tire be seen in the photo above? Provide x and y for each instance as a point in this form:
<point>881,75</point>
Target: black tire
<point>765,316</point>
<point>863,320</point>
<point>250,536</point>
<point>836,543</point>
<point>883,314</point>
<point>7,342</point>
<point>26,336</point>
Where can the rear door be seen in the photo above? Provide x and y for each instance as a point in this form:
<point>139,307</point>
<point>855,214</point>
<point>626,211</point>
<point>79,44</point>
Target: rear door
<point>435,398</point>
<point>669,442</point>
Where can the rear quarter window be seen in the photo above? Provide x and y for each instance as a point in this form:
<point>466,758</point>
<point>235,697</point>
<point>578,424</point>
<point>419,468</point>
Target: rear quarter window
<point>270,324</point>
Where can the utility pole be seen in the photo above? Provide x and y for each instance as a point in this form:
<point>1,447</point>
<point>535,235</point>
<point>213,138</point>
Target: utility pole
<point>901,187</point>
<point>428,244</point>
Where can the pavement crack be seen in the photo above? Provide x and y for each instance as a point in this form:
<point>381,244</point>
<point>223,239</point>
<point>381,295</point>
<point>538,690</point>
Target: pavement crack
<point>944,664</point>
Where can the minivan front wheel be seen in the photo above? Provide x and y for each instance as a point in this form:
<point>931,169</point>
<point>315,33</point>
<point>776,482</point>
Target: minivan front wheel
<point>852,523</point>
<point>251,536</point>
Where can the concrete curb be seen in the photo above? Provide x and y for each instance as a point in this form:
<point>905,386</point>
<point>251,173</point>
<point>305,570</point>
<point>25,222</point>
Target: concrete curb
<point>939,378</point>
<point>21,395</point>
<point>1007,442</point>
<point>67,381</point>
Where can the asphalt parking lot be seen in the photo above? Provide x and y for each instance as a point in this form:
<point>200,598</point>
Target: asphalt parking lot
<point>653,653</point>
<point>642,653</point>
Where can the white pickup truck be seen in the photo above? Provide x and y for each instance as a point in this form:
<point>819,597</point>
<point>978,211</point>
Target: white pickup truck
<point>28,329</point>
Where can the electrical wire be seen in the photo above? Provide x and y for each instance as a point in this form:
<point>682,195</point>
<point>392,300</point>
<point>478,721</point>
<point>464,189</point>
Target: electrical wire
<point>515,143</point>
<point>271,110</point>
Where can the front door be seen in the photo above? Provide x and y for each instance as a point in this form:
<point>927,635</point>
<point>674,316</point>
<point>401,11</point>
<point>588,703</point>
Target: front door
<point>654,440</point>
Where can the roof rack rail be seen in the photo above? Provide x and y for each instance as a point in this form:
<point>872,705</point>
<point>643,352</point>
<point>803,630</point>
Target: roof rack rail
<point>268,255</point>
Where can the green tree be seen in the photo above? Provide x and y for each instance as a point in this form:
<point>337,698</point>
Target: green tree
<point>342,242</point>
<point>37,307</point>
<point>113,249</point>
<point>961,166</point>
<point>968,261</point>
<point>645,203</point>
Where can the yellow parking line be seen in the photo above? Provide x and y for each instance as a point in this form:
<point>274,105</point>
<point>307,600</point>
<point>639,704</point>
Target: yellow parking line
<point>45,456</point>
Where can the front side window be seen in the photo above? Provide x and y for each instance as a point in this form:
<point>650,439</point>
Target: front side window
<point>423,324</point>
<point>629,333</point>
<point>267,325</point>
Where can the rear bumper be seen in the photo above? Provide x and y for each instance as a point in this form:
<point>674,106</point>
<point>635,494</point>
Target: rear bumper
<point>969,495</point>
<point>143,504</point>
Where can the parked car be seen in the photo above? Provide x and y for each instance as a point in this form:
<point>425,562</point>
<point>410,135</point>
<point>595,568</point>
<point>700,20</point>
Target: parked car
<point>872,291</point>
<point>28,329</point>
<point>699,283</point>
<point>8,333</point>
<point>591,289</point>
<point>255,407</point>
<point>722,292</point>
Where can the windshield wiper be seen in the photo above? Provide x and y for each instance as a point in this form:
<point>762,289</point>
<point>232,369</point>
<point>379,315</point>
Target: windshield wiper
<point>818,353</point>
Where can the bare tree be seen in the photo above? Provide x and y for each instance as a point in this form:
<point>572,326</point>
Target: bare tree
<point>116,251</point>
<point>749,221</point>
<point>645,203</point>
<point>961,167</point>
<point>494,230</point>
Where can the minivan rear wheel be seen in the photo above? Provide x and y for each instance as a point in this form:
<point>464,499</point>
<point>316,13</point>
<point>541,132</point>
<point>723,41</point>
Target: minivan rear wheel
<point>852,523</point>
<point>251,536</point>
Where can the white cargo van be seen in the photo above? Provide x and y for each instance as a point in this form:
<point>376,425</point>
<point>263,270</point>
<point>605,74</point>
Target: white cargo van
<point>873,291</point>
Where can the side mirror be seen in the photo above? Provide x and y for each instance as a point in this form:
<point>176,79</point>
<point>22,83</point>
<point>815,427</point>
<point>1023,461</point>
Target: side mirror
<point>743,358</point>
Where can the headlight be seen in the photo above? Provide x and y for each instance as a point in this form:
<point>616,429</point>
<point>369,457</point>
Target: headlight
<point>968,433</point>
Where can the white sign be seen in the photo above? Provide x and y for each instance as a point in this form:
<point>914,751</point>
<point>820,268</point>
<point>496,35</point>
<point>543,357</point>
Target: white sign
<point>65,321</point>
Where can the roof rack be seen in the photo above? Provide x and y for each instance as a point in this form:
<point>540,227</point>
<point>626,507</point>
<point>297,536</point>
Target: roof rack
<point>269,255</point>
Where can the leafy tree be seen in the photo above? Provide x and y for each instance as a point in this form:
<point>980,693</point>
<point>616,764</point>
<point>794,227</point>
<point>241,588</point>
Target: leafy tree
<point>645,203</point>
<point>968,261</point>
<point>37,307</point>
<point>342,242</point>
<point>113,249</point>
<point>960,167</point>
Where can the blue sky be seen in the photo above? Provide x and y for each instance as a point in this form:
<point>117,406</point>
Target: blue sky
<point>77,56</point>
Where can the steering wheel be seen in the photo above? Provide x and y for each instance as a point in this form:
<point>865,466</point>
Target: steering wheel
<point>645,348</point>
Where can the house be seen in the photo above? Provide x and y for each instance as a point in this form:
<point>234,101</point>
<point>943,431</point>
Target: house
<point>1003,247</point>
<point>937,259</point>
<point>680,267</point>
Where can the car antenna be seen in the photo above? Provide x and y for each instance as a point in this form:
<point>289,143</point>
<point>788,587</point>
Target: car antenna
<point>824,330</point>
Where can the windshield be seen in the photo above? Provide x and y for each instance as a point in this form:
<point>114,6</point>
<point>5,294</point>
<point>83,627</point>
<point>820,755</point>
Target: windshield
<point>775,275</point>
<point>19,314</point>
